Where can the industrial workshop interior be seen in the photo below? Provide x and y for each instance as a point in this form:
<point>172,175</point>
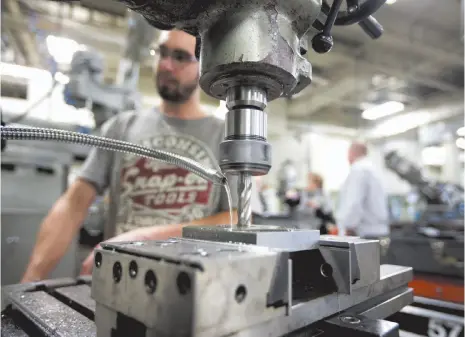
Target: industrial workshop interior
<point>232,168</point>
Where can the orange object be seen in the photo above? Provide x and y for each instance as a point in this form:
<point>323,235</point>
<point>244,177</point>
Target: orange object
<point>332,230</point>
<point>443,289</point>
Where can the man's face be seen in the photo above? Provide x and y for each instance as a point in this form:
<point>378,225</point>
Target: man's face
<point>351,155</point>
<point>177,73</point>
<point>311,186</point>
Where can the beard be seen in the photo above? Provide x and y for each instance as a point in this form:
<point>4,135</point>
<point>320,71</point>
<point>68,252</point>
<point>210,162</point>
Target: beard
<point>172,90</point>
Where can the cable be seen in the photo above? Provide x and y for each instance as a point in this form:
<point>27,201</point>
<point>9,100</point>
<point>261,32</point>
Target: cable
<point>43,134</point>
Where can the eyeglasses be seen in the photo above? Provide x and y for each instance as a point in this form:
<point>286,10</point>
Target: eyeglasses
<point>179,57</point>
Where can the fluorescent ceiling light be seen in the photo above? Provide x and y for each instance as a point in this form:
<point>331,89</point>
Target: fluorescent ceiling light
<point>383,110</point>
<point>461,132</point>
<point>400,124</point>
<point>62,49</point>
<point>390,2</point>
<point>460,143</point>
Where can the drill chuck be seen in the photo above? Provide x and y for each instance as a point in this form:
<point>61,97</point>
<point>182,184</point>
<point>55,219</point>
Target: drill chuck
<point>245,149</point>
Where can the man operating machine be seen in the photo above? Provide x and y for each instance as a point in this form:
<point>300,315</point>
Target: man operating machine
<point>240,280</point>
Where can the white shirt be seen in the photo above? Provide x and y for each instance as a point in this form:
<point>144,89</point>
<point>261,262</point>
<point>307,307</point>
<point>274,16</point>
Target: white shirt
<point>363,205</point>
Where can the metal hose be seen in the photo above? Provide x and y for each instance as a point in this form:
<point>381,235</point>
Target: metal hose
<point>30,133</point>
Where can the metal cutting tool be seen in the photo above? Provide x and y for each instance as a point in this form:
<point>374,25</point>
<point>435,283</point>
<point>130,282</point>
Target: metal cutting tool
<point>252,52</point>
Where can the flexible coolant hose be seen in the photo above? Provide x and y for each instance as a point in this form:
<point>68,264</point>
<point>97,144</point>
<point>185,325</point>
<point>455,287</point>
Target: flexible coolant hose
<point>31,133</point>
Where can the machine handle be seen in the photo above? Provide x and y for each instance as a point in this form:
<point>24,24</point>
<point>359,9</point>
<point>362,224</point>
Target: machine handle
<point>371,27</point>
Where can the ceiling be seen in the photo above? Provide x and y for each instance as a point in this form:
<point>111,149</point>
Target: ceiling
<point>418,60</point>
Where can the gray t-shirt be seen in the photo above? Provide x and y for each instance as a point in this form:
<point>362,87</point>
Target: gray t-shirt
<point>150,192</point>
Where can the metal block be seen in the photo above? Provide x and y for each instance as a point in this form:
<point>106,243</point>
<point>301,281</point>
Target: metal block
<point>355,261</point>
<point>221,306</point>
<point>304,314</point>
<point>107,321</point>
<point>385,305</point>
<point>266,236</point>
<point>348,324</point>
<point>184,287</point>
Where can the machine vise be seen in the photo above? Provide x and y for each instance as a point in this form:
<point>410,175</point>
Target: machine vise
<point>269,282</point>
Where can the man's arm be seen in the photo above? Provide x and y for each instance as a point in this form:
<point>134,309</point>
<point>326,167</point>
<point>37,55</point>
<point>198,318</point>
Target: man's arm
<point>58,229</point>
<point>69,212</point>
<point>161,233</point>
<point>351,205</point>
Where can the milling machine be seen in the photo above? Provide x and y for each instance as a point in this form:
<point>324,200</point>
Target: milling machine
<point>247,280</point>
<point>437,234</point>
<point>444,201</point>
<point>433,246</point>
<point>86,87</point>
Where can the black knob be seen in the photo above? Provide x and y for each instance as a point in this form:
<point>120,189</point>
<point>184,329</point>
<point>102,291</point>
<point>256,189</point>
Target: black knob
<point>322,43</point>
<point>371,27</point>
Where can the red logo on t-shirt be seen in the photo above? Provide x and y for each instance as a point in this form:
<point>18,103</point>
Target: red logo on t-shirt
<point>153,192</point>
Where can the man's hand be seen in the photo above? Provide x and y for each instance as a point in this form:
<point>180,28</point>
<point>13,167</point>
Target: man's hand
<point>332,229</point>
<point>159,233</point>
<point>313,204</point>
<point>58,229</point>
<point>350,232</point>
<point>140,234</point>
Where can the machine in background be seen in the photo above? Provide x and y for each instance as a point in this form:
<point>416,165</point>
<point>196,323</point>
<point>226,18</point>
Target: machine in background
<point>34,175</point>
<point>434,241</point>
<point>433,245</point>
<point>444,201</point>
<point>86,87</point>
